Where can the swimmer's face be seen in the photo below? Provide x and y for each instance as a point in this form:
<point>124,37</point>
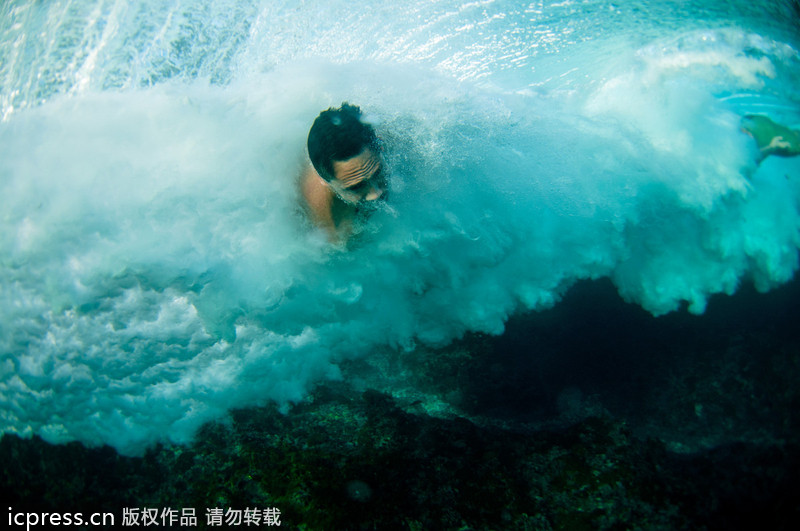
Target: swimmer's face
<point>359,179</point>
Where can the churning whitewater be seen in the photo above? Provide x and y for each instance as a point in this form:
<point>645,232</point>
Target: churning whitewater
<point>156,269</point>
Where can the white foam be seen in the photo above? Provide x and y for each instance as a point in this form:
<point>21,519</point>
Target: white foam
<point>156,271</point>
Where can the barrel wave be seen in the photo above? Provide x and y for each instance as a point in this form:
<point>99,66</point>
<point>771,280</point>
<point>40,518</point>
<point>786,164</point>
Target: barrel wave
<point>156,269</point>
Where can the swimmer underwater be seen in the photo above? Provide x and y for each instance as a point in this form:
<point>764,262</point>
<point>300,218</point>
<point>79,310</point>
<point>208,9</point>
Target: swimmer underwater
<point>346,174</point>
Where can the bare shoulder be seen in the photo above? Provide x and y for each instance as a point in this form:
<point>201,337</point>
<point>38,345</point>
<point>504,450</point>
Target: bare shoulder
<point>318,197</point>
<point>314,190</point>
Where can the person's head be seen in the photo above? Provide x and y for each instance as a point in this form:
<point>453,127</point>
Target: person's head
<point>344,152</point>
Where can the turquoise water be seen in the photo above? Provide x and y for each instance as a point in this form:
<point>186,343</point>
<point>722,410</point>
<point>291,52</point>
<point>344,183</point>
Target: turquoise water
<point>155,270</point>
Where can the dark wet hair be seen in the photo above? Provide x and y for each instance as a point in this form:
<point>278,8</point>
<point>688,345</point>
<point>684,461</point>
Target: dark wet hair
<point>338,134</point>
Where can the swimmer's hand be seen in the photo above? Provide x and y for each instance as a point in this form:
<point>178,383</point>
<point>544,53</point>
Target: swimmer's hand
<point>772,138</point>
<point>779,146</point>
